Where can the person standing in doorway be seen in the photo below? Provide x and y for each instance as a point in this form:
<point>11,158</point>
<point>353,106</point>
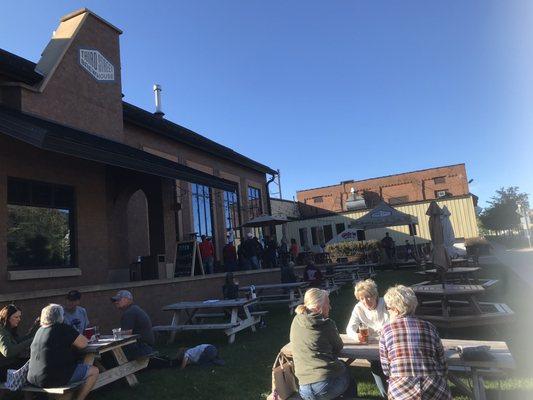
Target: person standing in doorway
<point>207,251</point>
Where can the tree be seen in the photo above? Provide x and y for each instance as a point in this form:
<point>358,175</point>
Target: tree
<point>501,215</point>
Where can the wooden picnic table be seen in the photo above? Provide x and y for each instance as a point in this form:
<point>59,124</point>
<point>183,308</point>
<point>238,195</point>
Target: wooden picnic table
<point>503,360</point>
<point>236,313</point>
<point>275,293</point>
<point>464,275</point>
<point>124,369</point>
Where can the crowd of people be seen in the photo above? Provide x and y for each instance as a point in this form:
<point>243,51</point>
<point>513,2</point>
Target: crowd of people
<point>252,253</point>
<point>49,354</point>
<point>412,362</point>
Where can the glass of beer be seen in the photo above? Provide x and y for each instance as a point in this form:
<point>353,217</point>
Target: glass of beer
<point>363,333</point>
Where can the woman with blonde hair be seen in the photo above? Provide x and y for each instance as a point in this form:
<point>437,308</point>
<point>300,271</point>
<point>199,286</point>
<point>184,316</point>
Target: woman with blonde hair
<point>411,351</point>
<point>370,311</point>
<point>316,344</point>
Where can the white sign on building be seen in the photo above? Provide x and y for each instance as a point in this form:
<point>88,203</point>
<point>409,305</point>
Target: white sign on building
<point>97,65</point>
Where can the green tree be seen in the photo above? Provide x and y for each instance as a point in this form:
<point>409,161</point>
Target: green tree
<point>501,215</point>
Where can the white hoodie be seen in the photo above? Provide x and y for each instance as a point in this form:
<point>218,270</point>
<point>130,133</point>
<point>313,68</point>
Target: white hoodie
<point>374,319</point>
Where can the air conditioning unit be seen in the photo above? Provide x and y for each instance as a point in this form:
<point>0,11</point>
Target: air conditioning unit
<point>442,193</point>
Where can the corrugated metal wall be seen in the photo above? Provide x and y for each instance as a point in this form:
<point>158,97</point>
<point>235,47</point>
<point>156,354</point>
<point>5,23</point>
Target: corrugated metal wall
<point>463,218</point>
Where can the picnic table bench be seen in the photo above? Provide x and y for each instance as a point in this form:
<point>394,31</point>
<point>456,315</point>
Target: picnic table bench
<point>278,293</point>
<point>451,305</point>
<point>124,369</point>
<point>186,318</point>
<point>476,370</point>
<point>465,275</point>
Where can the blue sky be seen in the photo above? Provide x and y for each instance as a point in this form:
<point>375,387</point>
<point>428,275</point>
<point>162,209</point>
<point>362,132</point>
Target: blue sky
<point>328,90</point>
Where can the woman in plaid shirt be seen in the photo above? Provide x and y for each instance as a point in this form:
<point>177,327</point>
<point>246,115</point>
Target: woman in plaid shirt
<point>411,352</point>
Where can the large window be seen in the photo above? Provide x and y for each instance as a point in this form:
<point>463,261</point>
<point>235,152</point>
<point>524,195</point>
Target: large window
<point>254,202</point>
<point>303,236</point>
<point>340,227</point>
<point>328,233</point>
<point>40,225</point>
<point>201,206</point>
<point>231,215</point>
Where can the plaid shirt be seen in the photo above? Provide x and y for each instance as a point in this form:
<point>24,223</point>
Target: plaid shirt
<point>413,358</point>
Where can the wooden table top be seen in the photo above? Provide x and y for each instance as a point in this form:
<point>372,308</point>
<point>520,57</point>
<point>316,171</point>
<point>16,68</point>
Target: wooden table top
<point>456,270</point>
<point>184,305</point>
<point>449,289</point>
<point>291,285</point>
<point>107,341</point>
<point>502,355</point>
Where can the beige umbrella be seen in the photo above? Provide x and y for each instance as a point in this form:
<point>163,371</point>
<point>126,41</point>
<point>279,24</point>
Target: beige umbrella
<point>439,256</point>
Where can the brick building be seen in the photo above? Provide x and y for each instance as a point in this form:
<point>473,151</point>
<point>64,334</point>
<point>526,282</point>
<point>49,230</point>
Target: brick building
<point>89,182</point>
<point>408,187</point>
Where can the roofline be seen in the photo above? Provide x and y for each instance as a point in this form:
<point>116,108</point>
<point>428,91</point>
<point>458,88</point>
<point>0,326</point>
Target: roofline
<point>381,177</point>
<point>26,72</point>
<point>410,203</point>
<point>86,10</point>
<point>171,130</point>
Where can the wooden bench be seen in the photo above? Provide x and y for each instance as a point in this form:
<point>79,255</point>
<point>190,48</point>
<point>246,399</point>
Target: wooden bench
<point>63,393</point>
<point>193,327</point>
<point>201,316</point>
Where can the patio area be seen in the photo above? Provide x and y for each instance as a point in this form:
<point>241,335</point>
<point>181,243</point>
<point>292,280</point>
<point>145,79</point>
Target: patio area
<point>249,360</point>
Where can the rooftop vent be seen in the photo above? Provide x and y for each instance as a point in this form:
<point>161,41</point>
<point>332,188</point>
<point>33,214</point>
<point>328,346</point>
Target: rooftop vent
<point>158,108</point>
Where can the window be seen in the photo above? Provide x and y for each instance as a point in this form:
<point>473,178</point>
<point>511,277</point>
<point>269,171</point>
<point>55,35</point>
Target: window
<point>303,236</point>
<point>201,207</point>
<point>318,199</point>
<point>317,235</point>
<point>442,193</point>
<point>231,215</point>
<point>254,200</point>
<point>439,179</point>
<point>399,200</point>
<point>40,225</point>
<point>328,233</point>
<point>340,228</point>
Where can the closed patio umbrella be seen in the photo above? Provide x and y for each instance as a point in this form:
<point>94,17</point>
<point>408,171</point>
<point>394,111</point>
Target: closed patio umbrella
<point>449,234</point>
<point>439,255</point>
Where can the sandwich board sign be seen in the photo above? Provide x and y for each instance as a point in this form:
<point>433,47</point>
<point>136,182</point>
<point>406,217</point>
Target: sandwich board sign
<point>188,261</point>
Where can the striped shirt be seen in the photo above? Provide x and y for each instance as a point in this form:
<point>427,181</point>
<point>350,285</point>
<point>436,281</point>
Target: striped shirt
<point>413,358</point>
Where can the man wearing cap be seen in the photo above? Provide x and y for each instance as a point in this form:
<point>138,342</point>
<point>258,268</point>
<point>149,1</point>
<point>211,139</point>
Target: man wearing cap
<point>134,321</point>
<point>75,315</point>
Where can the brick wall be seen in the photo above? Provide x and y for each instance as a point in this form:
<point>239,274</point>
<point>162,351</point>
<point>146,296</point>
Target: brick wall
<point>399,188</point>
<point>152,296</point>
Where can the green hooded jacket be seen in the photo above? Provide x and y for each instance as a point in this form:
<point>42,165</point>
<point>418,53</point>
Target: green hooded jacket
<point>316,344</point>
<point>12,347</point>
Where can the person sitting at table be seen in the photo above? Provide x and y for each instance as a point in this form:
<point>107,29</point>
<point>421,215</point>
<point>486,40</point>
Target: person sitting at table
<point>316,345</point>
<point>230,289</point>
<point>14,349</point>
<point>75,315</point>
<point>411,352</point>
<point>134,321</point>
<point>287,273</point>
<point>203,354</point>
<point>53,358</point>
<point>313,275</point>
<point>370,310</point>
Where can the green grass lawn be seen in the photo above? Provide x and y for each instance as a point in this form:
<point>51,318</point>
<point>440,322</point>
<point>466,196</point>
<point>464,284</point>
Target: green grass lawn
<point>247,373</point>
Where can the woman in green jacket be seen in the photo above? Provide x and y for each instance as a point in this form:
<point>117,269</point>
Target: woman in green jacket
<point>14,350</point>
<point>316,345</point>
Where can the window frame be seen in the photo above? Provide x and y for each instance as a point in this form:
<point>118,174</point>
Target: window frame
<point>198,207</point>
<point>71,207</point>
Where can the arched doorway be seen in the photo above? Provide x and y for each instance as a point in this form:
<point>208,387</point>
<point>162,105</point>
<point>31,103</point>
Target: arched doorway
<point>137,226</point>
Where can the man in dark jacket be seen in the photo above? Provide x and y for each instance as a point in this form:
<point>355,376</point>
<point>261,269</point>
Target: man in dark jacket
<point>250,250</point>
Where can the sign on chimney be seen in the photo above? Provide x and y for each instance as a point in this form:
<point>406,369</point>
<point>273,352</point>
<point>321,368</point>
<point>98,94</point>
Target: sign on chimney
<point>97,65</point>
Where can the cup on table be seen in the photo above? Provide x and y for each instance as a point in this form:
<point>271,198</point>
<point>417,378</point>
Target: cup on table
<point>363,334</point>
<point>117,333</point>
<point>89,333</point>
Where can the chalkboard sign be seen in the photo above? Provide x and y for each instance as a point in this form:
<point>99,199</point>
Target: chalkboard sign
<point>188,260</point>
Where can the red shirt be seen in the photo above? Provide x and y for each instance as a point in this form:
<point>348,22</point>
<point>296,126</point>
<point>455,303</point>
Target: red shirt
<point>206,249</point>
